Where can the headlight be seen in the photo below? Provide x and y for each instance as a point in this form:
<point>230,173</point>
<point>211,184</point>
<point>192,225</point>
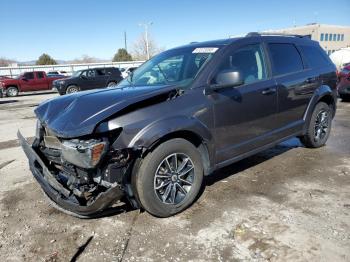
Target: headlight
<point>84,153</point>
<point>1,84</point>
<point>61,82</point>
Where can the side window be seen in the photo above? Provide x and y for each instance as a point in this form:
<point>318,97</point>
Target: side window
<point>249,61</point>
<point>84,73</point>
<point>40,75</point>
<point>322,37</point>
<point>100,72</point>
<point>91,73</point>
<point>315,57</point>
<point>29,75</point>
<point>285,59</point>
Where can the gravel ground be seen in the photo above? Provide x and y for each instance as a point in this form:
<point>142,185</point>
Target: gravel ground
<point>286,203</point>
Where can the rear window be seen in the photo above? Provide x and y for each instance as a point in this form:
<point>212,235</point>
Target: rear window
<point>113,70</point>
<point>314,56</point>
<point>285,59</point>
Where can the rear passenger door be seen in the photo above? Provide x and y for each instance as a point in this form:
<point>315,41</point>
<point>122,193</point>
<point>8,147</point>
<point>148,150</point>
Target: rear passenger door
<point>101,78</point>
<point>41,82</point>
<point>295,86</point>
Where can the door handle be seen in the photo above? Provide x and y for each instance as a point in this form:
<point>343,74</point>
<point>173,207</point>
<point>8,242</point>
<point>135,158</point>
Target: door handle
<point>268,91</point>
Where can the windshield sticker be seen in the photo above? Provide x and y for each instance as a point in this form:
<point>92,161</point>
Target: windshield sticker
<point>205,50</point>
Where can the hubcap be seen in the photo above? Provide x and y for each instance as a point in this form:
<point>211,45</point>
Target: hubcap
<point>12,92</point>
<point>72,90</point>
<point>174,178</point>
<point>321,125</point>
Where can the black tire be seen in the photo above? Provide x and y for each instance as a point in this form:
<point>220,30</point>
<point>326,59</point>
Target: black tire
<point>315,138</point>
<point>12,91</point>
<point>72,89</point>
<point>112,83</point>
<point>145,181</point>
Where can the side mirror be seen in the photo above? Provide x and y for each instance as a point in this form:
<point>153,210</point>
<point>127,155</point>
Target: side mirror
<point>23,78</point>
<point>83,77</point>
<point>228,78</point>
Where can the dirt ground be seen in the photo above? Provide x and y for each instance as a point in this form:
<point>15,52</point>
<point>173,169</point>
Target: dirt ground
<point>288,203</point>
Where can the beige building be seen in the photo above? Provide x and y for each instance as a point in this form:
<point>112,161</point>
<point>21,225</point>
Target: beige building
<point>330,37</point>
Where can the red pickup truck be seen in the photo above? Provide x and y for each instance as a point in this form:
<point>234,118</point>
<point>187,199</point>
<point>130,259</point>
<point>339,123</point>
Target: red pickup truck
<point>29,81</point>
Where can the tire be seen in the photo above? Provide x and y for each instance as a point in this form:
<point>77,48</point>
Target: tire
<point>72,89</point>
<point>319,126</point>
<point>112,83</point>
<point>12,91</point>
<point>161,202</point>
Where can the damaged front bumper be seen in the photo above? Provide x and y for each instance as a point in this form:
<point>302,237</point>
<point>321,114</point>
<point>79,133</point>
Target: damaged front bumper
<point>61,196</point>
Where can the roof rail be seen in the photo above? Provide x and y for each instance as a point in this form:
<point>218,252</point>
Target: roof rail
<point>271,34</point>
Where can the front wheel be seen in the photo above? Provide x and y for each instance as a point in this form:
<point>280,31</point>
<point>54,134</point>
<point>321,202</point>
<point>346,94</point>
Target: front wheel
<point>12,91</point>
<point>72,89</point>
<point>319,126</point>
<point>169,178</point>
<point>111,84</point>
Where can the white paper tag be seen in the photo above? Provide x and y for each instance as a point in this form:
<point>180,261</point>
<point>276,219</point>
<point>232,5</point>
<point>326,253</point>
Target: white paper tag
<point>205,50</point>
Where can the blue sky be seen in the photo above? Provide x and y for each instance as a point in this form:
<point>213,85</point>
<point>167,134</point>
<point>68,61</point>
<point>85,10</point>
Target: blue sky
<point>68,29</point>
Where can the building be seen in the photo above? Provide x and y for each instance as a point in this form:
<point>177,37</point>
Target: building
<point>330,37</point>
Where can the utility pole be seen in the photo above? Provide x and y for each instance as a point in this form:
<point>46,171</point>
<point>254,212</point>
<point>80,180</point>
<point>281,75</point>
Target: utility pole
<point>146,25</point>
<point>125,46</point>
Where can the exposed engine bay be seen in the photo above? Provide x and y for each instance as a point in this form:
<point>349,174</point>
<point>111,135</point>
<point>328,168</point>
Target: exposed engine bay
<point>85,167</point>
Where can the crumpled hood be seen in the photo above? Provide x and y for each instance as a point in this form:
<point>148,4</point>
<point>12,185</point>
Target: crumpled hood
<point>78,114</point>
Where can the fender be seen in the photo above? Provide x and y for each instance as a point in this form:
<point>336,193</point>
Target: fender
<point>319,93</point>
<point>152,133</point>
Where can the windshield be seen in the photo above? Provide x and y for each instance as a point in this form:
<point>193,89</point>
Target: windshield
<point>76,73</point>
<point>178,66</point>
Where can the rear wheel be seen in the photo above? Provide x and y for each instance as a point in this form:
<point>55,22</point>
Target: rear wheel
<point>169,178</point>
<point>72,89</point>
<point>12,91</point>
<point>319,126</point>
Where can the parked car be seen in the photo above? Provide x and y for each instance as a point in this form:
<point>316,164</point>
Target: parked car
<point>344,83</point>
<point>4,77</point>
<point>64,73</point>
<point>29,81</point>
<point>126,71</point>
<point>88,79</point>
<point>152,139</point>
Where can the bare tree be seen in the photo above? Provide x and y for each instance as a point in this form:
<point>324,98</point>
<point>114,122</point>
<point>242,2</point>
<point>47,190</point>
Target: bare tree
<point>6,62</point>
<point>139,51</point>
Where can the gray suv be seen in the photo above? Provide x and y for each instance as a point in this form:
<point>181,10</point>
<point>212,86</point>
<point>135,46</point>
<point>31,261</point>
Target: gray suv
<point>181,115</point>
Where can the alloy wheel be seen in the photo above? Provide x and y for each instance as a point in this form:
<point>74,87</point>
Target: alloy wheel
<point>174,178</point>
<point>321,125</point>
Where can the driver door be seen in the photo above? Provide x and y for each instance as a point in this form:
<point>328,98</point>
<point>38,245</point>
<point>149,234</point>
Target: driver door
<point>245,114</point>
<point>89,80</point>
<point>27,82</point>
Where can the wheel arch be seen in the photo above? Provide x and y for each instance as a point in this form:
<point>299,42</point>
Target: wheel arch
<point>189,129</point>
<point>323,94</point>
